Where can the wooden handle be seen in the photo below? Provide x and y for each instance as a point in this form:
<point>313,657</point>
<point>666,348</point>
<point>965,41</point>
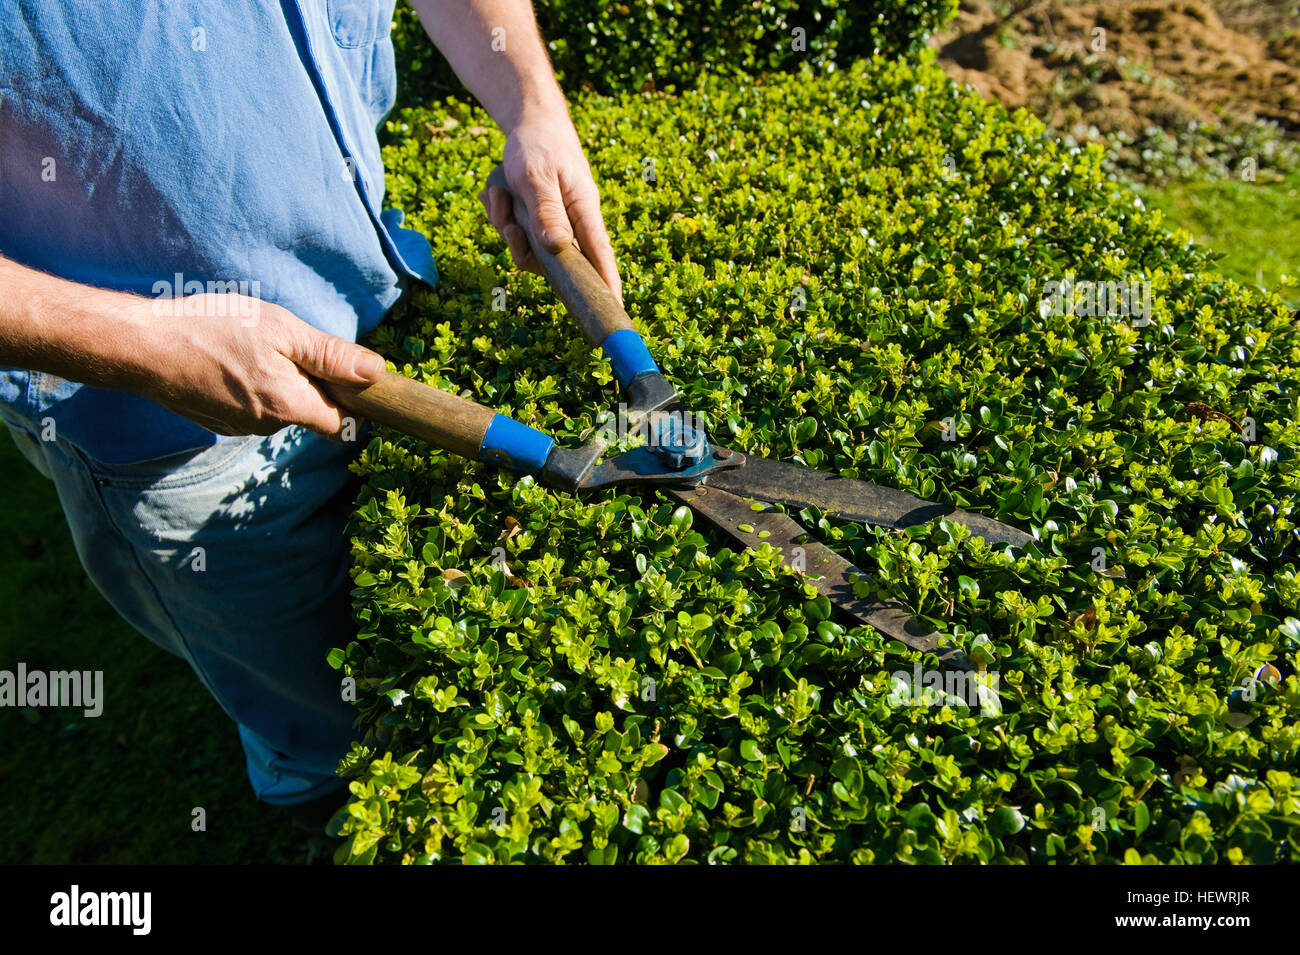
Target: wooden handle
<point>437,417</point>
<point>584,293</point>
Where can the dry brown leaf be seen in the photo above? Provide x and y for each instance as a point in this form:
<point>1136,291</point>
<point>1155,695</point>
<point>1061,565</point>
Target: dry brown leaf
<point>1088,618</point>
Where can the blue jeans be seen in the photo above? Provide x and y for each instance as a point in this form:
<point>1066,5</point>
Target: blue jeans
<point>234,558</point>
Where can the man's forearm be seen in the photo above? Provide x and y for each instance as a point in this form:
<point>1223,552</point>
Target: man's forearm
<point>495,49</point>
<point>85,334</point>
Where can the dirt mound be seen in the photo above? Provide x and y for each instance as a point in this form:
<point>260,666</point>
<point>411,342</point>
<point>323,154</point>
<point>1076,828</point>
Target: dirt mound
<point>1125,65</point>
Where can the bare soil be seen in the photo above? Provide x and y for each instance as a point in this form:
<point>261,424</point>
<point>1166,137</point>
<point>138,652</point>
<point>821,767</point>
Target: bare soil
<point>1127,65</point>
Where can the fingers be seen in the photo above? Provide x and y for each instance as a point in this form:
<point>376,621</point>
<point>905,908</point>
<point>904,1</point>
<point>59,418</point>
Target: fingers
<point>316,412</point>
<point>558,214</point>
<point>545,204</point>
<point>593,239</point>
<point>324,357</point>
<point>330,357</point>
<point>500,210</point>
<point>520,250</point>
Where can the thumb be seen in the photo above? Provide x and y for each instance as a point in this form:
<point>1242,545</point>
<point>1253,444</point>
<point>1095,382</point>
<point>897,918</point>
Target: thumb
<point>331,358</point>
<point>550,220</point>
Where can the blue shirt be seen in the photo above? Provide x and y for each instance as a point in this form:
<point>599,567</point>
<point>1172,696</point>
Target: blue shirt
<point>219,144</point>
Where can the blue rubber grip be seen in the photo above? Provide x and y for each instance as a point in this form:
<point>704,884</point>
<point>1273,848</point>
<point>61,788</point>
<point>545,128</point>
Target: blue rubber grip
<point>628,354</point>
<point>514,445</point>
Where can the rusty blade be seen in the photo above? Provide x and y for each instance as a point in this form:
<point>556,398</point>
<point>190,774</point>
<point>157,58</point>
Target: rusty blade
<point>826,570</point>
<point>779,482</point>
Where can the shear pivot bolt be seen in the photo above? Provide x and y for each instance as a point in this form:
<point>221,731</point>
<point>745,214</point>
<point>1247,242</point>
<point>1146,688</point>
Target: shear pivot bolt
<point>679,445</point>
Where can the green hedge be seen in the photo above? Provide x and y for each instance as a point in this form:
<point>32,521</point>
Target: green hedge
<point>627,46</point>
<point>508,716</point>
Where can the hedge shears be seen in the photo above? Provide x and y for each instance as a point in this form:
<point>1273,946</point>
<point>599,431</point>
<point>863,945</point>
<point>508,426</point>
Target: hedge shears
<point>736,493</point>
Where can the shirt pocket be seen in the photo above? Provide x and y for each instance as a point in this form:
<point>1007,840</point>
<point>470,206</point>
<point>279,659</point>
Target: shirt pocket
<point>359,23</point>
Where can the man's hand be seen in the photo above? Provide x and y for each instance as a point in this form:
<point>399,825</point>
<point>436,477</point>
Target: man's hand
<point>234,376</point>
<point>233,364</point>
<point>495,49</point>
<point>546,169</point>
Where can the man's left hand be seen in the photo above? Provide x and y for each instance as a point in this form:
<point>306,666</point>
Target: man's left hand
<point>546,168</point>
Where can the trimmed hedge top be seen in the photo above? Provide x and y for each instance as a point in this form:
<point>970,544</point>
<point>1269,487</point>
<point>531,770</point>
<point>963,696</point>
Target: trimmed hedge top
<point>842,270</point>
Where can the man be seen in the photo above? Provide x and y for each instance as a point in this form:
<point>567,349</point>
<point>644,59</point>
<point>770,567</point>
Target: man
<point>192,237</point>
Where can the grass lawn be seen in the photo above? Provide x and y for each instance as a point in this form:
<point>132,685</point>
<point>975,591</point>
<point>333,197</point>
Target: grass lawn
<point>1251,224</point>
<point>119,788</point>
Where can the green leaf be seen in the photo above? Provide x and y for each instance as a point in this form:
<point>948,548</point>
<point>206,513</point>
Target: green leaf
<point>1006,821</point>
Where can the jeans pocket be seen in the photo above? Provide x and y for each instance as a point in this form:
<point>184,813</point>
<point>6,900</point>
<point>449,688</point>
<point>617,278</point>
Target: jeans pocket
<point>29,446</point>
<point>358,23</point>
<point>174,470</point>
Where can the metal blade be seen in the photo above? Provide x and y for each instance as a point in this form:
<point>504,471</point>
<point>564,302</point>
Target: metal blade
<point>830,573</point>
<point>781,483</point>
<point>643,466</point>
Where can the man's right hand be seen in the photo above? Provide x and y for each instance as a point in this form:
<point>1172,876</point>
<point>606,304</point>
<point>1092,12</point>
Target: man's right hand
<point>237,365</point>
<point>230,363</point>
<point>233,364</point>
